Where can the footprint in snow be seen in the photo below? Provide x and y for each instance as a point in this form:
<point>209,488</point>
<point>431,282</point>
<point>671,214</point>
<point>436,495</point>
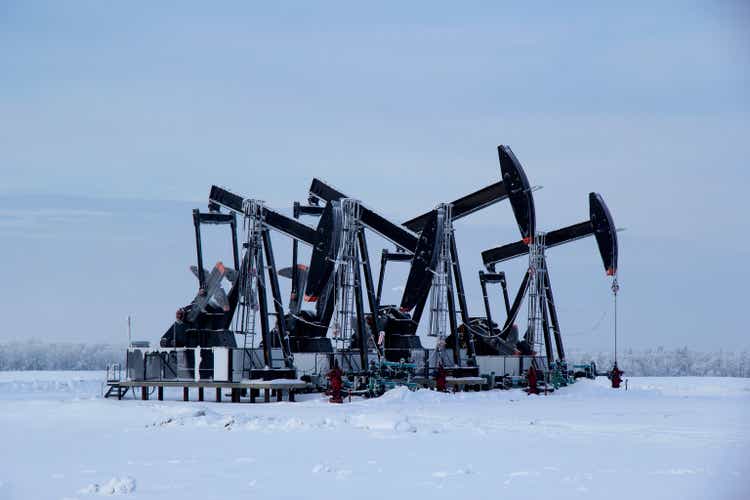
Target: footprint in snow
<point>343,474</point>
<point>459,472</point>
<point>115,486</point>
<point>321,468</point>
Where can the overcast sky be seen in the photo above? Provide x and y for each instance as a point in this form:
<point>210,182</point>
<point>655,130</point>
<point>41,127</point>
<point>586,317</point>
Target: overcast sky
<point>115,119</point>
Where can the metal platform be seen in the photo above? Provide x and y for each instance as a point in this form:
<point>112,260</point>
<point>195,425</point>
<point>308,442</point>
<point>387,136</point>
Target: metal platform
<point>251,387</point>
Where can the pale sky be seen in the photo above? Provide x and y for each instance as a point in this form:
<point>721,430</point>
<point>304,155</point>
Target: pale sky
<point>116,119</point>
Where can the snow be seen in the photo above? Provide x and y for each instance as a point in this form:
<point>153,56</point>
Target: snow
<point>663,438</point>
<point>115,486</point>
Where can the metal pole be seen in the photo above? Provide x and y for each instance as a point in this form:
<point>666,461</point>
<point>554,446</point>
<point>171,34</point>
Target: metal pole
<point>459,281</point>
<point>273,280</point>
<point>198,248</point>
<point>363,342</point>
<point>364,256</point>
<point>506,299</point>
<point>487,311</point>
<point>263,306</point>
<point>383,262</point>
<point>452,316</point>
<point>294,299</point>
<point>416,316</point>
<point>554,321</point>
<point>235,250</point>
<point>545,330</point>
<point>615,289</point>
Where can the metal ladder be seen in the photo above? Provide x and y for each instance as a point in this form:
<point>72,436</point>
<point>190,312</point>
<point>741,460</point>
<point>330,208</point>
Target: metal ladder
<point>346,265</point>
<point>439,311</point>
<point>248,306</point>
<point>114,377</point>
<point>537,293</point>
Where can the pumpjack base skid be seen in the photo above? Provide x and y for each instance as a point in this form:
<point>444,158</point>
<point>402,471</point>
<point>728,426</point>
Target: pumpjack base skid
<point>462,371</point>
<point>273,374</point>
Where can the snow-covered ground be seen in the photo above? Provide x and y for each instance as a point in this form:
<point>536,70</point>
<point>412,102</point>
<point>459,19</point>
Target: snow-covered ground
<point>663,438</point>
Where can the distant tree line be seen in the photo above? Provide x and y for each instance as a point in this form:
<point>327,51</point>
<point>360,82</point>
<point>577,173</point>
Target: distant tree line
<point>38,355</point>
<point>661,362</point>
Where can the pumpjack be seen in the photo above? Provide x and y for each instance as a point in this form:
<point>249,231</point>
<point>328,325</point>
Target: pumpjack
<point>498,349</point>
<point>537,280</point>
<point>480,333</point>
<point>214,317</point>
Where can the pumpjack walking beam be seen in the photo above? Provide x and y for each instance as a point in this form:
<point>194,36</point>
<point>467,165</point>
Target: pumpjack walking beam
<point>600,225</point>
<point>514,187</point>
<point>401,237</point>
<point>271,218</point>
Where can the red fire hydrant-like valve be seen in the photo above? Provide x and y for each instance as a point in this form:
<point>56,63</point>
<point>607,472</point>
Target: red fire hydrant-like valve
<point>441,384</point>
<point>531,378</point>
<point>616,377</point>
<point>335,383</point>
